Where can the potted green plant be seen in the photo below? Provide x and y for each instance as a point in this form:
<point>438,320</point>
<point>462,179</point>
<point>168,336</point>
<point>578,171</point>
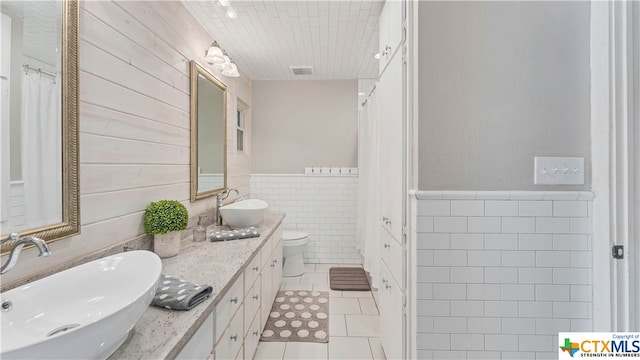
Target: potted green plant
<point>164,220</point>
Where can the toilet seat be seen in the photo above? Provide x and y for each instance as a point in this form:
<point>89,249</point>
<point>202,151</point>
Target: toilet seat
<point>293,235</point>
<point>294,238</point>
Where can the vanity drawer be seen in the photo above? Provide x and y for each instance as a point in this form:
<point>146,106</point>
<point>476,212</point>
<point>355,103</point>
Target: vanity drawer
<point>392,254</point>
<point>231,340</point>
<point>252,338</point>
<point>251,273</point>
<point>251,304</point>
<point>228,306</point>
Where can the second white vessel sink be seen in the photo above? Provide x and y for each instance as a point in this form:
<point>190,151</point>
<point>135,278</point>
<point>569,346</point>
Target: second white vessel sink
<point>244,213</point>
<point>85,312</point>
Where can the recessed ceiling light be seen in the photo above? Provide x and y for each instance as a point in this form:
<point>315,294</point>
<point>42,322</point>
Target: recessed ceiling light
<point>231,13</point>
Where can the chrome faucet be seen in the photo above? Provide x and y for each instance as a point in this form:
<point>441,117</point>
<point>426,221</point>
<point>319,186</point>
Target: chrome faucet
<point>17,248</point>
<point>222,196</point>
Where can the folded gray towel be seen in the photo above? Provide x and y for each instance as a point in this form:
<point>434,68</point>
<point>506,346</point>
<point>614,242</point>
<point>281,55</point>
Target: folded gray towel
<point>177,294</point>
<point>223,235</point>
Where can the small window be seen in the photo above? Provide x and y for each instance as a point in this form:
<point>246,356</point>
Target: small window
<point>240,129</point>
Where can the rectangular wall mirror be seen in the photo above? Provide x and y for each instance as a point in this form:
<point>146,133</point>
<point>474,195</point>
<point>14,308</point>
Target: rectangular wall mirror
<point>208,133</point>
<point>39,117</point>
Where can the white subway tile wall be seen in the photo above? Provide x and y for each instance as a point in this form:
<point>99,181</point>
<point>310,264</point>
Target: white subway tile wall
<point>16,220</point>
<point>324,206</point>
<point>500,274</point>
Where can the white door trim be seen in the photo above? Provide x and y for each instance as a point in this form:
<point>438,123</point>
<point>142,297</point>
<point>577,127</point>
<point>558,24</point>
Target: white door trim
<point>600,164</point>
<point>614,163</point>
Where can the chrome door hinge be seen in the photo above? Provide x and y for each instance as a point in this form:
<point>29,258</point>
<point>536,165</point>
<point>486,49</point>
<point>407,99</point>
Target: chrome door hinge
<point>404,303</point>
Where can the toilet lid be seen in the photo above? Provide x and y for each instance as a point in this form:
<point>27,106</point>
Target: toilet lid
<point>293,235</point>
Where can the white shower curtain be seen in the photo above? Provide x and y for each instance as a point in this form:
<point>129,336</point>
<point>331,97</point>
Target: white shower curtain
<point>41,150</point>
<point>368,225</point>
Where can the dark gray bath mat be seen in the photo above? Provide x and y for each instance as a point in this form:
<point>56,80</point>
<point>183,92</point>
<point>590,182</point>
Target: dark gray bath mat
<point>298,315</point>
<point>348,279</point>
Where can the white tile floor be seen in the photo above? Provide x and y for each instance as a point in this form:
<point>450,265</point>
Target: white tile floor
<point>354,329</point>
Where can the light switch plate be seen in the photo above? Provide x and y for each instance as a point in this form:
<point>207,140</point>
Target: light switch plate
<point>559,170</point>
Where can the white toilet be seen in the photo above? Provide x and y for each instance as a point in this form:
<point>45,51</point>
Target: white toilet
<point>293,243</point>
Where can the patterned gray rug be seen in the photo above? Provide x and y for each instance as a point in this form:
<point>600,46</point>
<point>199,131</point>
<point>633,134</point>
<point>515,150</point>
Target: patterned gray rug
<point>298,315</point>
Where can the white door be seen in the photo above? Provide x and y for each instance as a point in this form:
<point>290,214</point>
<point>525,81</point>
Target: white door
<point>391,129</point>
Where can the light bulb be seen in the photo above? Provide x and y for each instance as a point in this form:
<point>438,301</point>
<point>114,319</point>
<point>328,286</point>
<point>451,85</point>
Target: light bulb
<point>214,55</point>
<point>222,64</point>
<point>231,13</point>
<point>231,71</point>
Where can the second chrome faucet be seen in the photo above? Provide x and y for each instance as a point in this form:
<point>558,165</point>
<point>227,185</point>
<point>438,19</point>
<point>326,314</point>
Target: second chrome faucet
<point>222,196</point>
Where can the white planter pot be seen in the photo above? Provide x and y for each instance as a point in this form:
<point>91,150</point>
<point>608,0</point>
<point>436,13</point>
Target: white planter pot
<point>167,245</point>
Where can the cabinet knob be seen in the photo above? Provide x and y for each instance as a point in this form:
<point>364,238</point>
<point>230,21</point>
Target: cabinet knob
<point>275,261</point>
<point>255,297</point>
<point>256,268</point>
<point>255,333</point>
<point>387,246</point>
<point>385,281</point>
<point>385,219</point>
<point>234,337</point>
<point>387,286</point>
<point>234,300</point>
<point>388,222</point>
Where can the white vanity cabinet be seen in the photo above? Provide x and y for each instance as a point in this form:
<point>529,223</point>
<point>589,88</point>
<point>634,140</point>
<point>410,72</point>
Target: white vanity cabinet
<point>391,297</point>
<point>391,98</point>
<point>390,94</point>
<point>271,274</point>
<point>233,330</point>
<point>243,311</point>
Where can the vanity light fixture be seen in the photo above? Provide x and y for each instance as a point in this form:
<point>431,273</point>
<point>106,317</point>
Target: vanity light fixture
<point>221,61</point>
<point>215,55</point>
<point>226,61</point>
<point>231,71</point>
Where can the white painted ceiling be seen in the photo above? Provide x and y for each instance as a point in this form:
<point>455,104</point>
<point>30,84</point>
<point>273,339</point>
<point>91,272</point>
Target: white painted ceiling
<point>338,38</point>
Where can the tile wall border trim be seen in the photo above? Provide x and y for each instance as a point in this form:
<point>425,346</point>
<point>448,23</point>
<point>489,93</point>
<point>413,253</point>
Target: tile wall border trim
<point>307,175</point>
<point>501,195</point>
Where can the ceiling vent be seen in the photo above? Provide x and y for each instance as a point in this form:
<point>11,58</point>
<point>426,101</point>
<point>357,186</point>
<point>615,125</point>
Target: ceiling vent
<point>301,70</point>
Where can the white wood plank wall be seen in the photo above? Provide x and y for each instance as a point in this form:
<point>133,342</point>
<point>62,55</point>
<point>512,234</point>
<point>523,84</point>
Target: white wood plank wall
<point>134,122</point>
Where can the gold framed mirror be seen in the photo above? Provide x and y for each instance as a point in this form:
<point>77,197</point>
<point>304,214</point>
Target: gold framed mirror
<point>47,33</point>
<point>208,133</point>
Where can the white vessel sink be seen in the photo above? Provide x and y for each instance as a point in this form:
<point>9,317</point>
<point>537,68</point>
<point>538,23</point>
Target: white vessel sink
<point>85,312</point>
<point>244,213</point>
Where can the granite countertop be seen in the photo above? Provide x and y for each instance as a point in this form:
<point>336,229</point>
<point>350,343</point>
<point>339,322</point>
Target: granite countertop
<point>162,334</point>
